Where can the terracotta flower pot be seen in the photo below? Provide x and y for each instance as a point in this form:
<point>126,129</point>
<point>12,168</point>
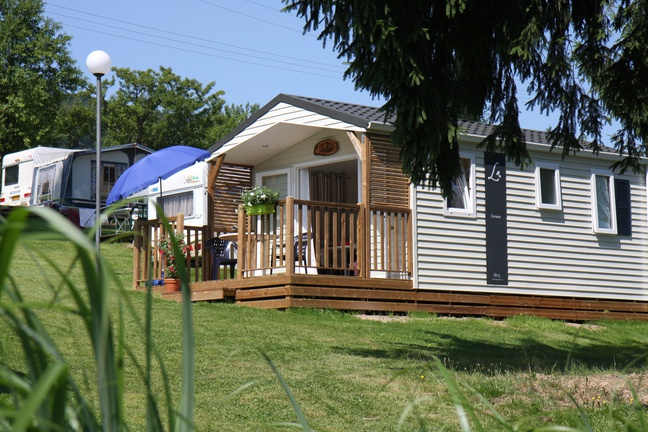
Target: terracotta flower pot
<point>171,284</point>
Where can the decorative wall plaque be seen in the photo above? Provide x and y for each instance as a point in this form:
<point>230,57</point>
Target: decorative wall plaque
<point>325,147</point>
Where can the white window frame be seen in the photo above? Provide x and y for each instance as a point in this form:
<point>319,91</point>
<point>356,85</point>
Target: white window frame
<point>258,179</point>
<point>558,188</point>
<point>471,205</point>
<point>612,202</point>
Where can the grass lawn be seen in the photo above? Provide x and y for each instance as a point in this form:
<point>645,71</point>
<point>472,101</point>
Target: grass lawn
<point>350,373</point>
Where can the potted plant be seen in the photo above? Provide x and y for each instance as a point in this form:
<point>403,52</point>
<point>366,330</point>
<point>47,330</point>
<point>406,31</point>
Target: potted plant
<point>259,200</point>
<point>171,260</point>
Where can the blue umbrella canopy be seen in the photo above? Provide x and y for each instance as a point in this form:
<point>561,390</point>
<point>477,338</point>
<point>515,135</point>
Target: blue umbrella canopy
<point>153,168</point>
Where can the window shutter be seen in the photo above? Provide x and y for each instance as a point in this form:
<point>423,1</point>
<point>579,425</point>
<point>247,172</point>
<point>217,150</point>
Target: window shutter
<point>227,194</point>
<point>389,186</point>
<point>623,207</point>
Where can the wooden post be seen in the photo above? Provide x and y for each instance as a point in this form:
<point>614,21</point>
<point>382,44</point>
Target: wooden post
<point>212,175</point>
<point>137,255</point>
<point>289,236</point>
<point>242,250</point>
<point>365,208</point>
<point>410,248</point>
<point>179,225</point>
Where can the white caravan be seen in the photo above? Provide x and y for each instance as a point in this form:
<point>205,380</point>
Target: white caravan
<point>65,179</point>
<point>18,173</point>
<point>184,192</point>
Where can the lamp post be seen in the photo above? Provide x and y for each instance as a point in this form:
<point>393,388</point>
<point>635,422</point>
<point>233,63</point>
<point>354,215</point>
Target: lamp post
<point>98,63</point>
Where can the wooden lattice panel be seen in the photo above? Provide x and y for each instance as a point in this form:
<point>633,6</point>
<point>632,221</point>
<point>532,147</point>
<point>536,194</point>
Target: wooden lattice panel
<point>227,194</point>
<point>389,186</point>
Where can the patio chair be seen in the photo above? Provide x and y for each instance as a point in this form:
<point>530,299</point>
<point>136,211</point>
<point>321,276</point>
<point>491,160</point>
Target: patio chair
<point>301,255</point>
<point>222,256</point>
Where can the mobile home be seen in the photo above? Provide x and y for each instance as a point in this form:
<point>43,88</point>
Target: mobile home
<point>563,238</point>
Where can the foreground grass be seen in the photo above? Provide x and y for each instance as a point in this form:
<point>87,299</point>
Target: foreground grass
<point>354,374</point>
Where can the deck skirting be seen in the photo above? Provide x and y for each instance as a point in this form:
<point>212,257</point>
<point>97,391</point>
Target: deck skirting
<point>398,296</point>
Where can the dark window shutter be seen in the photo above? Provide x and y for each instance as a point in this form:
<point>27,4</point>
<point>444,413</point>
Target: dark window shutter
<point>623,207</point>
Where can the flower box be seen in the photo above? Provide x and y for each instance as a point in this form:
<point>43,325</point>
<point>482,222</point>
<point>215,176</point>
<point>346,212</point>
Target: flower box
<point>260,209</point>
<point>259,200</point>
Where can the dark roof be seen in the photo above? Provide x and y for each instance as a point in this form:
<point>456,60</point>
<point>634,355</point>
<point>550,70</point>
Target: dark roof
<point>119,147</point>
<point>484,129</point>
<point>358,115</point>
<point>362,115</point>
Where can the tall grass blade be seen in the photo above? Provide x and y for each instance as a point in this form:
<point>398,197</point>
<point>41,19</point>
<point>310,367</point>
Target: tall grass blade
<point>46,387</point>
<point>409,408</point>
<point>95,272</point>
<point>298,411</point>
<point>462,407</point>
<point>185,419</point>
<point>151,419</point>
<point>583,415</point>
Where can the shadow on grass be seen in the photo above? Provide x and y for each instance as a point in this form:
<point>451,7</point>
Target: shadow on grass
<point>523,354</point>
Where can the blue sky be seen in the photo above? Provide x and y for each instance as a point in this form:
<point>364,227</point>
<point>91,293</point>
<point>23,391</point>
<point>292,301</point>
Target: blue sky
<point>249,48</point>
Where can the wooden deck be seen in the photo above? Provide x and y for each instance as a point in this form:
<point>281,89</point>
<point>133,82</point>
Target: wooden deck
<point>398,296</point>
<point>376,277</point>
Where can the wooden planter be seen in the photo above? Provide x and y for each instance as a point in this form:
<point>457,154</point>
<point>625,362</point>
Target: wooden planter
<point>260,209</point>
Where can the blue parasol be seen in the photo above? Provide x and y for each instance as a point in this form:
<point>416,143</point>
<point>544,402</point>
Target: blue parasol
<point>153,168</point>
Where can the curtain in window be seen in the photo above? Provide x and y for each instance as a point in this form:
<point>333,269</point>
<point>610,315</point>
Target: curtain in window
<point>461,188</point>
<point>178,203</point>
<point>45,184</point>
<point>603,209</point>
<point>327,186</point>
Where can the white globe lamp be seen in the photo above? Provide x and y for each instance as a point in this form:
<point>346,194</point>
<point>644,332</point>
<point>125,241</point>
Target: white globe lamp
<point>98,63</point>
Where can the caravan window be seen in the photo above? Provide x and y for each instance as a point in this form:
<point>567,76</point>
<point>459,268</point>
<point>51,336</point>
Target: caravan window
<point>177,203</point>
<point>45,184</point>
<point>11,175</point>
<point>110,172</point>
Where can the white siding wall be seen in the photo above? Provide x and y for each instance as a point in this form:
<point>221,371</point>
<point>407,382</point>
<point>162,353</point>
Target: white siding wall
<point>451,250</point>
<point>550,252</point>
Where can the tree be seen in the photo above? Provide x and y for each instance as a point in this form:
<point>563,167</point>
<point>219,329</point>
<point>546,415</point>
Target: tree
<point>76,122</point>
<point>150,108</point>
<point>435,59</point>
<point>160,109</point>
<point>36,76</point>
<point>230,117</point>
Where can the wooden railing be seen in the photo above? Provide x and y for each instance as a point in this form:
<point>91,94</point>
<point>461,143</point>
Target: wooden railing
<point>301,237</point>
<point>147,262</point>
<point>326,238</point>
<point>389,242</point>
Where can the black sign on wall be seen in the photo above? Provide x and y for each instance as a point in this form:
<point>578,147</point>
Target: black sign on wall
<point>496,234</point>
